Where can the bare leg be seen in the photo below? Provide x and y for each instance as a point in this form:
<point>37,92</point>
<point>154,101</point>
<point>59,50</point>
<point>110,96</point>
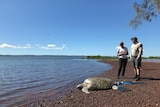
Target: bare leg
<point>138,73</point>
<point>135,72</point>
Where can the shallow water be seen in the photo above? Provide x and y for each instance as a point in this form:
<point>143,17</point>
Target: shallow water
<point>151,60</point>
<point>24,79</point>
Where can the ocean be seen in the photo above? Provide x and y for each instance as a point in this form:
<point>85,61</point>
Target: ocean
<point>27,79</point>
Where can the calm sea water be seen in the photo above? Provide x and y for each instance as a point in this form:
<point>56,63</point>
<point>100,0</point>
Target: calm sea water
<point>25,79</point>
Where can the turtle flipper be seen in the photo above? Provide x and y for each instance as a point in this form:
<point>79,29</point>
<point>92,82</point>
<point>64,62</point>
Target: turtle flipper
<point>85,90</point>
<point>80,86</point>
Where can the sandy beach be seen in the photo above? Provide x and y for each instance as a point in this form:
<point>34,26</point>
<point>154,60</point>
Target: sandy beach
<point>144,94</point>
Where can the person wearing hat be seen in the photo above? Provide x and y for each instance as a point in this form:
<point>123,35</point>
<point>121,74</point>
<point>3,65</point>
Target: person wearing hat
<point>135,56</point>
<point>122,53</point>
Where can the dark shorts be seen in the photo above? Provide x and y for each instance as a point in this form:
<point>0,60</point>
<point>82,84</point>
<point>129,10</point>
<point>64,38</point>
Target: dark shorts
<point>135,62</point>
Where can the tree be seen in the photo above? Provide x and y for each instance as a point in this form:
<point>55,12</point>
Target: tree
<point>145,12</point>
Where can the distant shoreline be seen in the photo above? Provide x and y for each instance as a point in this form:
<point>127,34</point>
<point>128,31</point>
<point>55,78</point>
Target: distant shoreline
<point>98,57</point>
<point>43,55</point>
<point>115,57</point>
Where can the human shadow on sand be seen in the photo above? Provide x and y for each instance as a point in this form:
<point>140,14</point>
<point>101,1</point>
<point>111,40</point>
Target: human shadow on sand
<point>150,78</point>
<point>150,69</point>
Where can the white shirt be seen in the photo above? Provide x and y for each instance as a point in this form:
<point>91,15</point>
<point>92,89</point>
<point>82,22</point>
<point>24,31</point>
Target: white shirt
<point>122,52</point>
<point>136,49</point>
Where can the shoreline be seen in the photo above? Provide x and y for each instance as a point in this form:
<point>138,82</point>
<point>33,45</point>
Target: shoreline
<point>140,95</point>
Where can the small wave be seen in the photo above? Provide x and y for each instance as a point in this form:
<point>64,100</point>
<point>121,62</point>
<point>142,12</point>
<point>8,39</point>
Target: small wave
<point>30,79</point>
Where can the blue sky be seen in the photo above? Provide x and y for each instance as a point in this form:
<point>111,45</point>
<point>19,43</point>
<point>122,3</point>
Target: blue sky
<point>72,27</point>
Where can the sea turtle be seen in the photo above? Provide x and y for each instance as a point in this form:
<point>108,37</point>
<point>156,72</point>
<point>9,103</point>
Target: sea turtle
<point>95,83</point>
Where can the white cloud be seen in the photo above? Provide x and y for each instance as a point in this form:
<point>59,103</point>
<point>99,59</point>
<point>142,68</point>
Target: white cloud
<point>49,46</point>
<point>5,45</point>
<point>52,46</point>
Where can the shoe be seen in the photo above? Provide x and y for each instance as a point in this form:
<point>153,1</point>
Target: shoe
<point>135,77</point>
<point>138,78</point>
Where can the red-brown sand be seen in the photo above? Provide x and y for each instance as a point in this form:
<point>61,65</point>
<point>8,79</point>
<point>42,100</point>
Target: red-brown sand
<point>146,94</point>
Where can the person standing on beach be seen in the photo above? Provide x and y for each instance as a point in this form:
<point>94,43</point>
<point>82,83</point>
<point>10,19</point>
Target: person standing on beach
<point>122,53</point>
<point>136,56</point>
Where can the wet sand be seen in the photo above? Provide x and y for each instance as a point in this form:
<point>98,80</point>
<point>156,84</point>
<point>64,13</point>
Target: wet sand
<point>144,94</point>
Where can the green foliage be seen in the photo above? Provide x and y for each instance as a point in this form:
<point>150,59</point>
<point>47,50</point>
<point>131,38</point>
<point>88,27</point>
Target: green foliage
<point>101,57</point>
<point>144,57</point>
<point>154,57</point>
<point>115,57</point>
<point>145,11</point>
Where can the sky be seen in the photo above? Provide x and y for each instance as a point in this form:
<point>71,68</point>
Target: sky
<point>72,27</point>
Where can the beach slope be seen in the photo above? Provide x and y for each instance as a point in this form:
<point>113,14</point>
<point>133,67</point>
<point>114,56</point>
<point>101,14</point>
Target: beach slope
<point>143,94</point>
